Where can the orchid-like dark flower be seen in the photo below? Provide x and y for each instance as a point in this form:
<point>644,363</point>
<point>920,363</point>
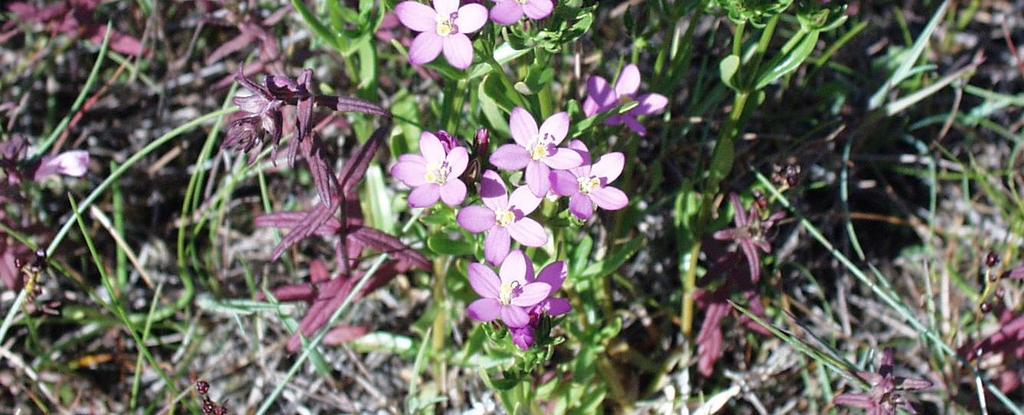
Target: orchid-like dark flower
<point>887,390</point>
<point>750,233</point>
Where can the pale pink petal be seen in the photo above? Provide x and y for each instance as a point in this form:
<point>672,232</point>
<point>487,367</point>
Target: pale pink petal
<point>424,196</point>
<point>609,167</point>
<point>557,306</point>
<point>554,275</point>
<point>506,12</point>
<point>446,7</point>
<point>514,316</point>
<point>600,96</point>
<point>538,9</point>
<point>629,81</point>
<point>431,148</point>
<point>564,183</point>
<point>493,191</point>
<point>523,126</point>
<point>510,157</point>
<point>563,159</point>
<point>425,48</point>
<point>524,200</point>
<point>649,104</point>
<point>476,219</point>
<point>496,245</point>
<point>634,125</point>
<point>458,49</point>
<point>411,173</point>
<point>484,281</point>
<point>532,294</point>
<point>74,163</point>
<point>457,160</point>
<point>453,192</point>
<point>484,310</point>
<point>417,16</point>
<point>537,178</point>
<point>415,158</point>
<point>584,169</point>
<point>528,232</point>
<point>609,198</point>
<point>555,127</point>
<point>581,206</point>
<point>471,18</point>
<point>514,268</point>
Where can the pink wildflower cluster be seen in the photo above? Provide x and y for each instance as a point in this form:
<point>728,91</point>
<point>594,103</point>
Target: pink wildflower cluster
<point>603,97</point>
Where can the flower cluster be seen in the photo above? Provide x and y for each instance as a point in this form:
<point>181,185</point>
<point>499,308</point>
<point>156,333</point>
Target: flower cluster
<point>445,26</point>
<point>887,390</point>
<point>603,97</point>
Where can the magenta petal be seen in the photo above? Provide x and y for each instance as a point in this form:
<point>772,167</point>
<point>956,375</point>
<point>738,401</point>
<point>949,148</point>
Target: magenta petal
<point>476,219</point>
<point>649,104</point>
<point>514,316</point>
<point>492,191</point>
<point>581,206</point>
<point>538,9</point>
<point>416,16</point>
<point>506,12</point>
<point>523,126</point>
<point>431,148</point>
<point>537,178</point>
<point>471,18</point>
<point>629,81</point>
<point>557,306</point>
<point>532,294</point>
<point>484,310</point>
<point>609,198</point>
<point>457,160</point>
<point>411,173</point>
<point>563,159</point>
<point>453,192</point>
<point>600,96</point>
<point>458,49</point>
<point>609,167</point>
<point>528,232</point>
<point>516,268</point>
<point>484,281</point>
<point>424,196</point>
<point>524,200</point>
<point>496,245</point>
<point>510,157</point>
<point>556,127</point>
<point>634,125</point>
<point>564,183</point>
<point>425,48</point>
<point>554,275</point>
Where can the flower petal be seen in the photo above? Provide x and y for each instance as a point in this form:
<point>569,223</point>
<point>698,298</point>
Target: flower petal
<point>458,49</point>
<point>475,218</point>
<point>72,163</point>
<point>563,158</point>
<point>538,9</point>
<point>532,294</point>
<point>431,148</point>
<point>557,306</point>
<point>425,48</point>
<point>600,96</point>
<point>493,191</point>
<point>506,12</point>
<point>581,206</point>
<point>515,268</point>
<point>453,192</point>
<point>424,196</point>
<point>609,198</point>
<point>528,232</point>
<point>523,126</point>
<point>496,245</point>
<point>629,81</point>
<point>411,173</point>
<point>634,125</point>
<point>484,281</point>
<point>649,104</point>
<point>446,7</point>
<point>554,275</point>
<point>537,178</point>
<point>457,160</point>
<point>556,127</point>
<point>416,16</point>
<point>524,200</point>
<point>484,310</point>
<point>584,169</point>
<point>510,157</point>
<point>514,316</point>
<point>564,183</point>
<point>471,18</point>
<point>609,167</point>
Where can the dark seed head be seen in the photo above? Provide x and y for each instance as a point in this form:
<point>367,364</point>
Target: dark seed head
<point>202,387</point>
<point>986,307</point>
<point>992,259</point>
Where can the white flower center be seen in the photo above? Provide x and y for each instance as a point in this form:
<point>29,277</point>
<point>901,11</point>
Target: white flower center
<point>539,151</point>
<point>523,2</point>
<point>437,173</point>
<point>446,25</point>
<point>588,184</point>
<point>508,291</point>
<point>504,217</point>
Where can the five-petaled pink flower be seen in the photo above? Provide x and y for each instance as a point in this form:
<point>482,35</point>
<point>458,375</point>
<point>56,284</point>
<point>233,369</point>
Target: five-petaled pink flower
<point>508,294</point>
<point>443,27</point>
<point>587,185</point>
<point>535,149</point>
<point>434,174</point>
<point>506,12</point>
<point>601,97</point>
<point>503,217</point>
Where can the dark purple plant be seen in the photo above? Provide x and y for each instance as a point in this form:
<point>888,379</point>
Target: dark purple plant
<point>750,233</point>
<point>887,390</point>
<point>1007,342</point>
<point>75,19</point>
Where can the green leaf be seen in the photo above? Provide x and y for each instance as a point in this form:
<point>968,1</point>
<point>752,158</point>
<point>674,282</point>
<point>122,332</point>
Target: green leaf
<point>727,70</point>
<point>788,62</point>
<point>443,244</point>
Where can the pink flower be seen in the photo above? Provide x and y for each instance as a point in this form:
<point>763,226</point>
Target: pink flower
<point>535,149</point>
<point>506,12</point>
<point>72,163</point>
<point>508,294</point>
<point>587,185</point>
<point>434,174</point>
<point>602,98</point>
<point>503,217</point>
<point>553,275</point>
<point>442,27</point>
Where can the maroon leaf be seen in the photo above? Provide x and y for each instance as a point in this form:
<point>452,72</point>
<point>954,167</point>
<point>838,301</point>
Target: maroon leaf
<point>390,245</point>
